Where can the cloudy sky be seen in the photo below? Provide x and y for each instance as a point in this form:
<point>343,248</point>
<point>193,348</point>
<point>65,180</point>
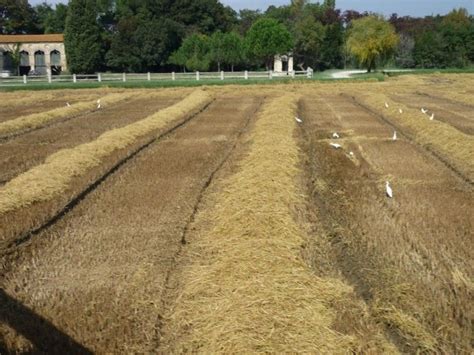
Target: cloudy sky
<point>387,7</point>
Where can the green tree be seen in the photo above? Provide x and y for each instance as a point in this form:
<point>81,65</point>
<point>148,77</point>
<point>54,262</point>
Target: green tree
<point>226,48</point>
<point>429,50</point>
<point>457,35</point>
<point>267,38</point>
<point>233,49</point>
<point>194,53</point>
<point>51,20</point>
<point>309,37</point>
<point>17,17</point>
<point>371,38</point>
<point>332,46</point>
<point>82,37</point>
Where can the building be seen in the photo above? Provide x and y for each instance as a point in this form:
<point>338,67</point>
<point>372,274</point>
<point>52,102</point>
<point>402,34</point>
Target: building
<point>40,54</point>
<point>283,64</point>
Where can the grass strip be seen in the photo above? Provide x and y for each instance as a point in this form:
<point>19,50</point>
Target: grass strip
<point>39,119</point>
<point>54,176</point>
<point>247,288</point>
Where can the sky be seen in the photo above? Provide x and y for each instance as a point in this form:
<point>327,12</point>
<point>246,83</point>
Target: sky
<point>387,7</point>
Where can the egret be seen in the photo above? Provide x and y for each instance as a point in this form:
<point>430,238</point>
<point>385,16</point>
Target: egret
<point>351,154</point>
<point>335,135</point>
<point>388,190</point>
<point>68,104</point>
<point>386,105</point>
<point>432,117</point>
<point>299,120</point>
<point>400,110</point>
<point>98,104</point>
<point>424,111</point>
<point>394,138</point>
<point>335,145</point>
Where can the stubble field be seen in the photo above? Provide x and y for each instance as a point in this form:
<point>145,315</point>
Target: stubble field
<point>210,220</point>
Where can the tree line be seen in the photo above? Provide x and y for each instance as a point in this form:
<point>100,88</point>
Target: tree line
<point>163,35</point>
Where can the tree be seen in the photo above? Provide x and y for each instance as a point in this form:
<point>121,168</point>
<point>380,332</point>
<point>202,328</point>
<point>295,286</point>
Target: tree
<point>371,38</point>
<point>267,38</point>
<point>194,53</point>
<point>51,20</point>
<point>456,31</point>
<point>309,37</point>
<point>429,51</point>
<point>82,37</point>
<point>331,48</point>
<point>404,55</point>
<point>226,48</point>
<point>233,49</point>
<point>16,17</point>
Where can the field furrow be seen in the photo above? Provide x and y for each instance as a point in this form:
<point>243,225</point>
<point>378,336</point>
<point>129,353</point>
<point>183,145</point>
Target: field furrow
<point>460,117</point>
<point>388,248</point>
<point>110,256</point>
<point>21,153</point>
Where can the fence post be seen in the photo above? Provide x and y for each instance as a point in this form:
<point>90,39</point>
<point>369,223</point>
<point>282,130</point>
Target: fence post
<point>148,76</point>
<point>309,73</point>
<point>24,79</point>
<point>173,76</point>
<point>293,74</point>
<point>74,78</point>
<point>99,77</point>
<point>197,76</point>
<point>270,74</point>
<point>246,75</point>
<point>124,77</point>
<point>222,75</point>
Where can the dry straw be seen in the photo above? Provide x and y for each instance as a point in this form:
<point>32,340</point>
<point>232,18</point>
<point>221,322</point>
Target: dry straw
<point>40,119</point>
<point>247,288</point>
<point>53,177</point>
<point>452,144</point>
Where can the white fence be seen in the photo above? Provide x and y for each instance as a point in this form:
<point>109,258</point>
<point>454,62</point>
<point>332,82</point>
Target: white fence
<point>135,77</point>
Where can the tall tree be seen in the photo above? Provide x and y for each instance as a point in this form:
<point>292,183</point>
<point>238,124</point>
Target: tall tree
<point>309,37</point>
<point>371,38</point>
<point>226,48</point>
<point>194,53</point>
<point>17,17</point>
<point>82,37</point>
<point>267,38</point>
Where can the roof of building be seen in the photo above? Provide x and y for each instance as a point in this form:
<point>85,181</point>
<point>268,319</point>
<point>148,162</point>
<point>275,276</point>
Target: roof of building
<point>57,37</point>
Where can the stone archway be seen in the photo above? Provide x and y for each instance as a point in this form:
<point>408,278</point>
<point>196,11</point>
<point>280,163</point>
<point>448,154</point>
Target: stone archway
<point>25,65</point>
<point>40,63</point>
<point>55,60</point>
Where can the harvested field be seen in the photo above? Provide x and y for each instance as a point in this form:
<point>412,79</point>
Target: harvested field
<point>23,152</point>
<point>211,221</point>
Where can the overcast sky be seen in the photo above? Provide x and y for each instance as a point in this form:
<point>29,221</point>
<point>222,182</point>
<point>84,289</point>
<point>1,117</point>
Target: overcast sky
<point>386,7</point>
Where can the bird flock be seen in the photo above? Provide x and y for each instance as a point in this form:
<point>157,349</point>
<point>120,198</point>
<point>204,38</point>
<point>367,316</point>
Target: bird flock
<point>335,135</point>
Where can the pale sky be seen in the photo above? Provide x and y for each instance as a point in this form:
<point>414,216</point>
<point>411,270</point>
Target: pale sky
<point>386,7</point>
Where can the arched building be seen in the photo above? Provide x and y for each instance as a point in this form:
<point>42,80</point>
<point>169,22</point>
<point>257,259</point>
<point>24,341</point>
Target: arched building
<point>39,53</point>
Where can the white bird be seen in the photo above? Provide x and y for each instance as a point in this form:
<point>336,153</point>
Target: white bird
<point>432,117</point>
<point>394,138</point>
<point>351,154</point>
<point>335,145</point>
<point>335,135</point>
<point>98,104</point>
<point>299,120</point>
<point>388,190</point>
<point>400,110</point>
<point>68,104</point>
<point>423,110</point>
<point>386,105</point>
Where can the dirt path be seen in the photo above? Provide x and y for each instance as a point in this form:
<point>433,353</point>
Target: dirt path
<point>99,274</point>
<point>400,263</point>
<point>23,152</point>
<point>459,116</point>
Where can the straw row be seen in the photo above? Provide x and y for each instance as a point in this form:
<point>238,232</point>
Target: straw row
<point>54,177</point>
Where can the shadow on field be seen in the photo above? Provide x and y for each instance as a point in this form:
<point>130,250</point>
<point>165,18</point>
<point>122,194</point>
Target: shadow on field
<point>44,336</point>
